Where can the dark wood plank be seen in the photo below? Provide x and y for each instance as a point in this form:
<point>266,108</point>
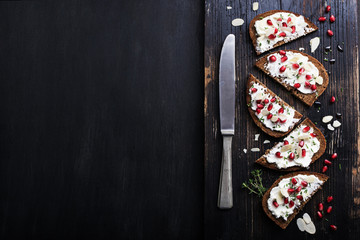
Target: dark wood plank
<point>247,220</point>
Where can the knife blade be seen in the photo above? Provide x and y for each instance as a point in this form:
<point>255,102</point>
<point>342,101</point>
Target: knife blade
<point>227,119</point>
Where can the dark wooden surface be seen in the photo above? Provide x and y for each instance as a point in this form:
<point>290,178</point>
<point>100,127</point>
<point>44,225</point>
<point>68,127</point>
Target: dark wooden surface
<point>101,128</point>
<point>246,220</point>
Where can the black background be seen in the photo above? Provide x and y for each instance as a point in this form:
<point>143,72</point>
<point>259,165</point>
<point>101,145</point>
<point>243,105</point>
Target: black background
<point>101,119</point>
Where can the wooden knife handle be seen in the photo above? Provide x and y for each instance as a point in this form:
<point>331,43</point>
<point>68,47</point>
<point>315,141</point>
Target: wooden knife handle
<point>225,196</point>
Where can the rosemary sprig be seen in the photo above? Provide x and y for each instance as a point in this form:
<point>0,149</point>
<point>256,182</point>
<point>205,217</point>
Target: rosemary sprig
<point>255,185</point>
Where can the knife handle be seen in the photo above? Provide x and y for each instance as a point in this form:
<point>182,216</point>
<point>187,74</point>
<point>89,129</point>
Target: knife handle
<point>225,196</point>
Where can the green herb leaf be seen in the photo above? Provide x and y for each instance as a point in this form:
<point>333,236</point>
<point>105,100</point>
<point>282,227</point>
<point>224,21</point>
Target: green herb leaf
<point>255,185</point>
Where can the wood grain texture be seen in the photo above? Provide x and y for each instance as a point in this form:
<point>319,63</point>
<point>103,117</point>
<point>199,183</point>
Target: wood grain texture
<point>247,220</point>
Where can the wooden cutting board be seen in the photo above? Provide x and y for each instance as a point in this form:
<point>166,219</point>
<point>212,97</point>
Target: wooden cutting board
<point>246,220</point>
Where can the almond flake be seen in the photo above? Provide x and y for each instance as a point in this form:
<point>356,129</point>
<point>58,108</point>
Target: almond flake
<point>255,149</point>
<point>306,218</point>
<point>336,124</point>
<point>245,150</point>
<point>301,224</point>
<point>331,128</point>
<point>237,22</point>
<point>255,6</point>
<point>327,119</point>
<point>310,228</point>
<point>266,141</point>
<point>301,49</point>
<point>257,137</point>
<point>228,7</point>
<point>314,43</point>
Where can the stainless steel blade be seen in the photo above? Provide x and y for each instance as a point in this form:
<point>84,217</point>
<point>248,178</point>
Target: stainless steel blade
<point>227,86</point>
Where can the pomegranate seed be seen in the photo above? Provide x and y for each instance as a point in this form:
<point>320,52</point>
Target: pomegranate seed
<point>293,29</point>
<point>284,58</point>
<point>296,85</point>
<point>308,77</point>
<point>313,134</point>
<point>333,227</point>
<point>329,199</point>
<point>282,34</point>
<point>327,162</point>
<point>307,84</point>
<point>301,70</point>
<point>279,19</point>
<point>319,214</point>
<point>324,169</point>
<point>254,90</point>
<point>299,197</point>
<point>298,189</point>
<point>270,107</point>
<point>275,204</point>
<point>286,200</point>
<point>292,156</point>
<point>260,106</point>
<point>334,156</point>
<point>281,110</point>
<point>272,58</point>
<point>269,22</point>
<point>328,8</point>
<point>313,87</point>
<point>330,33</point>
<point>258,101</point>
<point>283,121</point>
<point>332,18</point>
<point>291,191</point>
<point>288,20</point>
<point>266,101</point>
<point>271,36</point>
<point>306,129</point>
<point>304,183</point>
<point>283,68</point>
<point>322,19</point>
<point>301,143</point>
<point>303,152</point>
<point>296,66</point>
<point>269,116</point>
<point>291,204</point>
<point>278,154</point>
<point>293,181</point>
<point>321,206</point>
<point>329,209</point>
<point>286,142</point>
<point>273,99</point>
<point>275,31</point>
<point>282,52</point>
<point>332,99</point>
<point>284,24</point>
<point>258,110</point>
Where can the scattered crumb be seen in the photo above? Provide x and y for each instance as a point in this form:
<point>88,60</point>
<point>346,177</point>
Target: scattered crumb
<point>336,124</point>
<point>255,149</point>
<point>237,22</point>
<point>257,137</point>
<point>301,49</point>
<point>327,119</point>
<point>314,43</point>
<point>255,6</point>
<point>331,128</point>
<point>266,141</point>
<point>228,7</point>
<point>245,150</point>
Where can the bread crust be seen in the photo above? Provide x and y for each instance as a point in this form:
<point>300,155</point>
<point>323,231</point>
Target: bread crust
<point>308,99</point>
<point>252,29</point>
<point>280,221</point>
<point>270,132</point>
<point>262,160</point>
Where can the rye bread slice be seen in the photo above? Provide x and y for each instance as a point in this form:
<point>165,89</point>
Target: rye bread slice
<point>262,160</point>
<point>308,99</point>
<point>272,133</point>
<point>280,221</point>
<point>253,34</point>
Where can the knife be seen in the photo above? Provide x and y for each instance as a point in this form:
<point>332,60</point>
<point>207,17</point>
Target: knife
<point>227,119</point>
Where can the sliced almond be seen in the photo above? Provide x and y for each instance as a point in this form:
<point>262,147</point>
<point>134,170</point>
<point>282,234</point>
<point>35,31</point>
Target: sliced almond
<point>228,7</point>
<point>259,96</point>
<point>265,112</point>
<point>245,150</point>
<point>314,43</point>
<point>307,218</point>
<point>257,137</point>
<point>301,224</point>
<point>310,178</point>
<point>237,22</point>
<point>274,119</point>
<point>284,192</point>
<point>282,117</point>
<point>327,119</point>
<point>304,136</point>
<point>255,149</point>
<point>286,148</point>
<point>279,198</point>
<point>266,141</point>
<point>319,80</point>
<point>331,128</point>
<point>301,79</point>
<point>310,228</point>
<point>294,59</point>
<point>255,6</point>
<point>336,124</point>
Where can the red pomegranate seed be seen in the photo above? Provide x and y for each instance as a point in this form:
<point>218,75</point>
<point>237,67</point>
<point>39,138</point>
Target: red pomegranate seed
<point>284,58</point>
<point>296,66</point>
<point>284,24</point>
<point>334,156</point>
<point>260,106</point>
<point>324,169</point>
<point>299,197</point>
<point>275,31</point>
<point>307,84</point>
<point>327,162</point>
<point>270,107</point>
<point>330,33</point>
<point>266,101</point>
<point>293,181</point>
<point>292,156</point>
<point>322,19</point>
<point>279,19</point>
<point>296,85</point>
<point>332,18</point>
<point>282,121</point>
<point>269,22</point>
<point>272,58</point>
<point>298,189</point>
<point>283,68</point>
<point>269,116</point>
<point>308,77</point>
<point>286,142</point>
<point>293,29</point>
<point>313,87</point>
<point>288,20</point>
<point>282,34</point>
<point>328,8</point>
<point>258,101</point>
<point>301,143</point>
<point>291,191</point>
<point>273,99</point>
<point>275,204</point>
<point>281,110</point>
<point>306,129</point>
<point>332,99</point>
<point>303,152</point>
<point>301,70</point>
<point>333,227</point>
<point>254,90</point>
<point>313,134</point>
<point>321,206</point>
<point>304,183</point>
<point>329,199</point>
<point>291,204</point>
<point>286,200</point>
<point>329,209</point>
<point>278,154</point>
<point>282,52</point>
<point>258,110</point>
<point>319,214</point>
<point>271,36</point>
